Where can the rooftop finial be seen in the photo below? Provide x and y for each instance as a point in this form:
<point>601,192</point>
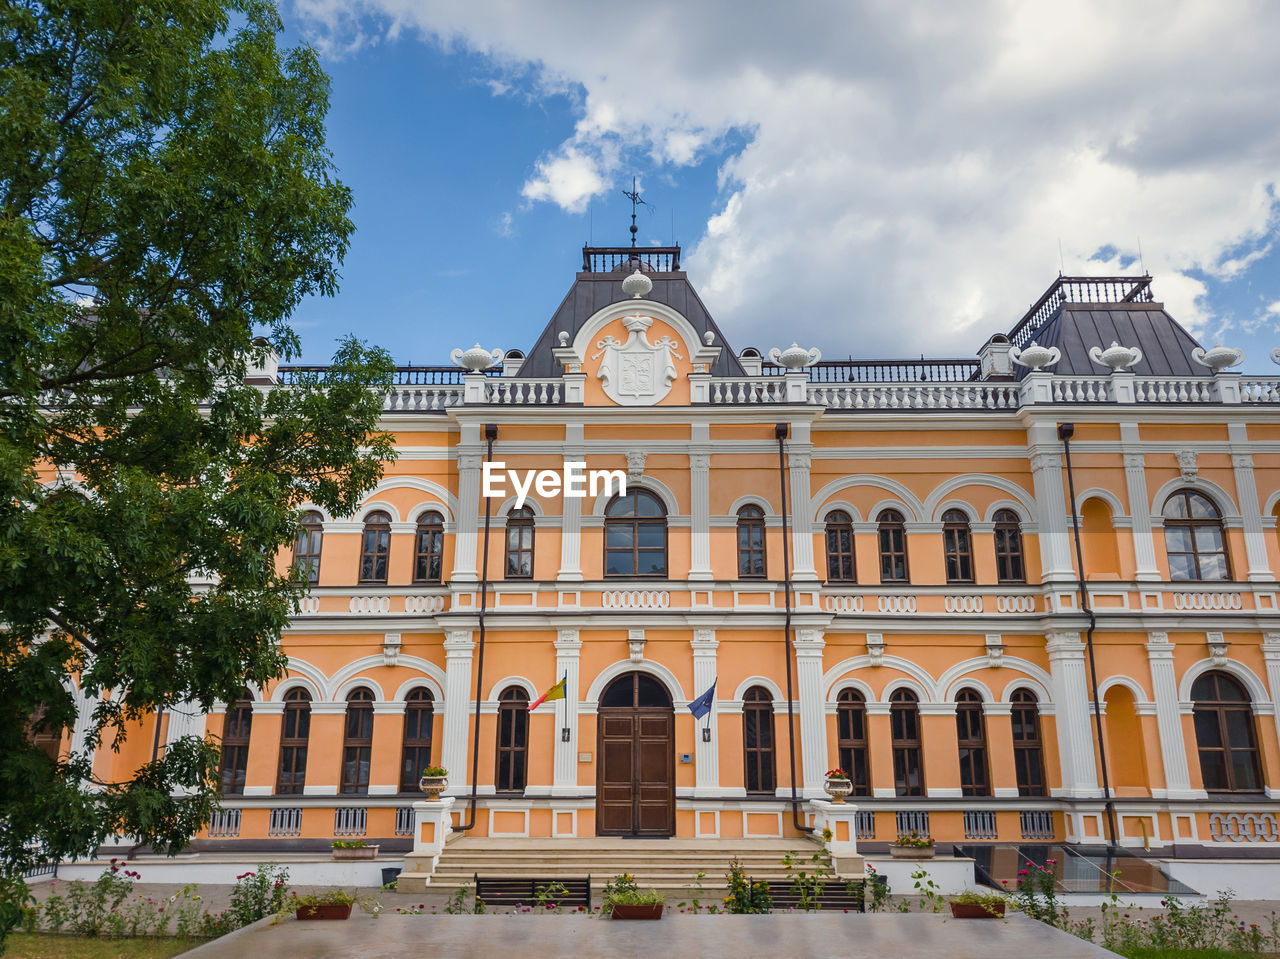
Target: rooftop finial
<point>634,196</point>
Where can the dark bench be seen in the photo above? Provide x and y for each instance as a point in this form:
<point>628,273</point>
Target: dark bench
<point>497,891</point>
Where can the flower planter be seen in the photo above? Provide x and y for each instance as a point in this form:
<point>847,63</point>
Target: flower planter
<point>912,852</point>
<point>837,789</point>
<point>355,852</point>
<point>974,910</point>
<point>637,912</point>
<point>433,786</point>
<point>332,911</point>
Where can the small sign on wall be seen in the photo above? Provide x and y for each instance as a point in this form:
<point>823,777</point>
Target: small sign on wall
<point>686,759</point>
<point>584,757</point>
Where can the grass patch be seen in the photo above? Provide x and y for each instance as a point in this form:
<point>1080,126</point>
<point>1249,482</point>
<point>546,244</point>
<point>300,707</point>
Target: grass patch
<point>27,945</point>
<point>1194,954</point>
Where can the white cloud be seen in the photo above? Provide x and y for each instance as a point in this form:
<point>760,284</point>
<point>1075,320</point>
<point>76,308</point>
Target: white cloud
<point>909,171</point>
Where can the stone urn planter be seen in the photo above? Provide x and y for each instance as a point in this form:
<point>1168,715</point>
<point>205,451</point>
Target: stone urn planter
<point>975,910</point>
<point>837,789</point>
<point>433,786</point>
<point>912,852</point>
<point>330,911</point>
<point>637,912</point>
<point>350,853</point>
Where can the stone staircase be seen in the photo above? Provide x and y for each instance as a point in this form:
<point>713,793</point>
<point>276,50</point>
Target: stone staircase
<point>662,864</point>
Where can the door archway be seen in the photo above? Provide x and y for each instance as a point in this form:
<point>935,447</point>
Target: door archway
<point>635,775</point>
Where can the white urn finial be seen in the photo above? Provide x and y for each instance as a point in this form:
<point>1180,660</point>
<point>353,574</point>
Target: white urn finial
<point>1219,358</point>
<point>637,285</point>
<point>563,338</point>
<point>1034,356</point>
<point>477,358</point>
<point>1118,357</point>
<point>795,356</point>
<point>1275,355</point>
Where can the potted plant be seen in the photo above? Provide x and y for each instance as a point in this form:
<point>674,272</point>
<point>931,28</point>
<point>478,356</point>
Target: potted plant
<point>623,899</point>
<point>912,845</point>
<point>334,904</point>
<point>837,785</point>
<point>348,849</point>
<point>972,904</point>
<point>433,781</point>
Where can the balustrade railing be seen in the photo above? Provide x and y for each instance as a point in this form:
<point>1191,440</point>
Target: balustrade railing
<point>224,824</point>
<point>516,392</point>
<point>915,396</point>
<point>1036,823</point>
<point>350,821</point>
<point>1170,389</point>
<point>1257,389</point>
<point>285,821</point>
<point>864,824</point>
<point>1244,827</point>
<point>979,824</point>
<point>404,820</point>
<point>749,391</point>
<point>913,820</point>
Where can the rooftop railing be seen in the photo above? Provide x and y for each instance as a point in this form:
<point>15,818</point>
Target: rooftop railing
<point>1080,289</point>
<point>606,259</point>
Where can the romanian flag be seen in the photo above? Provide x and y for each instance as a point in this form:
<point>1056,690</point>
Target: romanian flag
<point>555,692</point>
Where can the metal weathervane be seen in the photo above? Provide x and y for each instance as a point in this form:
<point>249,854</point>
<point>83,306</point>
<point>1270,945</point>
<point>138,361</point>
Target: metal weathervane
<point>636,201</point>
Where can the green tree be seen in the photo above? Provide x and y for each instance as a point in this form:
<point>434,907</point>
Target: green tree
<point>165,193</point>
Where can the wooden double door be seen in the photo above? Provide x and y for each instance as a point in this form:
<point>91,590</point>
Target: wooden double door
<point>635,779</point>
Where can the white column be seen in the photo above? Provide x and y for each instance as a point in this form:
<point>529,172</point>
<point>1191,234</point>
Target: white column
<point>700,516</point>
<point>571,519</point>
<point>809,644</point>
<point>1271,656</point>
<point>185,719</point>
<point>1144,546</point>
<point>568,647</point>
<point>85,705</point>
<point>1255,537</point>
<point>1071,714</point>
<point>1164,690</point>
<point>467,522</point>
<point>801,504</point>
<point>455,750</point>
<point>1055,546</point>
<point>706,755</point>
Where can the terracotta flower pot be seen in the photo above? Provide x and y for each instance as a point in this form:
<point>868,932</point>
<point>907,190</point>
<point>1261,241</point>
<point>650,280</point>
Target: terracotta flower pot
<point>433,786</point>
<point>637,912</point>
<point>329,911</point>
<point>355,852</point>
<point>973,910</point>
<point>911,852</point>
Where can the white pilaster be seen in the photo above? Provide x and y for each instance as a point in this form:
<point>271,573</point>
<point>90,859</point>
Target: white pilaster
<point>1255,537</point>
<point>1271,656</point>
<point>568,647</point>
<point>455,749</point>
<point>1144,547</point>
<point>706,755</point>
<point>1055,546</point>
<point>1164,690</point>
<point>467,522</point>
<point>799,461</point>
<point>571,520</point>
<point>85,705</point>
<point>1071,714</point>
<point>809,644</point>
<point>700,546</point>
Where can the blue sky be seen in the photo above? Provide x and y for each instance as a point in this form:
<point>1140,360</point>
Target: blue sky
<point>848,179</point>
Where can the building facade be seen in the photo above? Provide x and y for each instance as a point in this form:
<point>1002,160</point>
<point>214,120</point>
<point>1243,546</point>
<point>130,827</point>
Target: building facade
<point>875,562</point>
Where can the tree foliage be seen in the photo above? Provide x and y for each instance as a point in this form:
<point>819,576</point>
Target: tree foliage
<point>165,193</point>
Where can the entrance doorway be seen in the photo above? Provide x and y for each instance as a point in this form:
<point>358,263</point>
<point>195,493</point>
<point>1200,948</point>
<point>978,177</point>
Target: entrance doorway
<point>636,781</point>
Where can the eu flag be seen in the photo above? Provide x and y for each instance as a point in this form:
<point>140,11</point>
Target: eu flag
<point>702,705</point>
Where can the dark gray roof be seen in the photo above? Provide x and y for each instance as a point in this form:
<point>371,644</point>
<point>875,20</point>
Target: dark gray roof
<point>592,292</point>
<point>1077,327</point>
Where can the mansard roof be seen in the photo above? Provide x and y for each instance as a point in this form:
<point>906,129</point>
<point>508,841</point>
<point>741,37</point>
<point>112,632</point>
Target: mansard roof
<point>600,285</point>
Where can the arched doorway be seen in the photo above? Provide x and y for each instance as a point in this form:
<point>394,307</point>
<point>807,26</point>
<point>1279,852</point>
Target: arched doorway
<point>635,779</point>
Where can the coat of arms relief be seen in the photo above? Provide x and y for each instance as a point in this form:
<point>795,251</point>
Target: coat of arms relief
<point>637,373</point>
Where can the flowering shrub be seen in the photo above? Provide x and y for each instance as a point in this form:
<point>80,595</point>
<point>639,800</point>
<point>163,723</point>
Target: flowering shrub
<point>914,840</point>
<point>746,895</point>
<point>258,894</point>
<point>837,774</point>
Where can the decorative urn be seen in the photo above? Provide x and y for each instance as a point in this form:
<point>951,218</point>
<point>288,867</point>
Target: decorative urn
<point>1275,355</point>
<point>433,786</point>
<point>795,357</point>
<point>1034,356</point>
<point>1118,357</point>
<point>1219,358</point>
<point>476,359</point>
<point>637,285</point>
<point>837,789</point>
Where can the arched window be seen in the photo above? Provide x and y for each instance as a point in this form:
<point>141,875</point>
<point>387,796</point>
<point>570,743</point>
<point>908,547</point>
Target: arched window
<point>757,736</point>
<point>1028,747</point>
<point>236,725</point>
<point>46,738</point>
<point>294,732</point>
<point>375,547</point>
<point>904,724</point>
<point>956,547</point>
<point>357,742</point>
<point>1194,539</point>
<point>841,567</point>
<point>1225,735</point>
<point>751,542</point>
<point>520,543</point>
<point>635,535</point>
<point>513,741</point>
<point>306,552</point>
<point>1008,533</point>
<point>851,722</point>
<point>893,547</point>
<point>419,714</point>
<point>971,735</point>
<point>428,550</point>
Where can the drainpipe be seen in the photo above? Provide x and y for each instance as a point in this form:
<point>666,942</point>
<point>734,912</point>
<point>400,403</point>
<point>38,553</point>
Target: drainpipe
<point>781,431</point>
<point>490,434</point>
<point>1065,432</point>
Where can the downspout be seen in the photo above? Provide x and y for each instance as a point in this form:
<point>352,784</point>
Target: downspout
<point>1065,432</point>
<point>490,434</point>
<point>781,431</point>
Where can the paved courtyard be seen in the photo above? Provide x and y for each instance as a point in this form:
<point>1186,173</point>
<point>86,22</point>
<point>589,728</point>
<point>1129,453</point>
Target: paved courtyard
<point>847,936</point>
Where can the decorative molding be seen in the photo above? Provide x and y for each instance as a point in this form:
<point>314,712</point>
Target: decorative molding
<point>1187,464</point>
